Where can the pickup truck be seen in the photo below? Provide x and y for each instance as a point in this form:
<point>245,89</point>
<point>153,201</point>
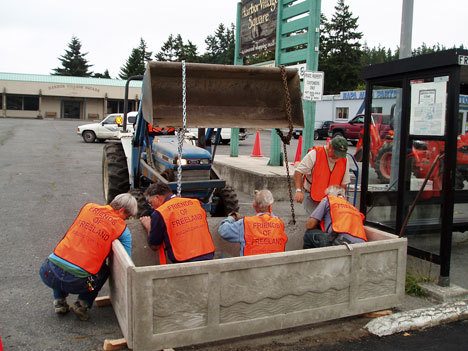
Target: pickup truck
<point>351,130</point>
<point>225,135</point>
<point>108,128</point>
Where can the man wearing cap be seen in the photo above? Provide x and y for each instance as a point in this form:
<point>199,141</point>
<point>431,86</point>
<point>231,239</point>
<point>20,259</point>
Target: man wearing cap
<point>322,167</point>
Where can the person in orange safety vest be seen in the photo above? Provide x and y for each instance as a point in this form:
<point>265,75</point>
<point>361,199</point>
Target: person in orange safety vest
<point>77,265</point>
<point>320,168</point>
<point>260,234</point>
<point>177,227</point>
<point>340,222</point>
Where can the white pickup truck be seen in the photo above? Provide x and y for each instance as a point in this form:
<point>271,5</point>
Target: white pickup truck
<point>108,128</point>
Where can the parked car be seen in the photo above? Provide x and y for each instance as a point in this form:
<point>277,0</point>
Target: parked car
<point>107,129</point>
<point>319,133</point>
<point>351,130</point>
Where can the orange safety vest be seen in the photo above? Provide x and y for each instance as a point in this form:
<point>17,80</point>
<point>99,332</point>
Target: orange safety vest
<point>187,228</point>
<point>345,218</point>
<point>264,234</point>
<point>89,239</point>
<point>321,175</point>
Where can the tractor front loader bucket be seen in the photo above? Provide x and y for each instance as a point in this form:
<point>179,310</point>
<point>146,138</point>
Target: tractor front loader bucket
<point>220,96</point>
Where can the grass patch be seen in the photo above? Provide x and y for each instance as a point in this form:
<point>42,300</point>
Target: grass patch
<point>412,286</point>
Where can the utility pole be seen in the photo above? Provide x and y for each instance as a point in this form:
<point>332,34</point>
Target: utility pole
<point>405,51</point>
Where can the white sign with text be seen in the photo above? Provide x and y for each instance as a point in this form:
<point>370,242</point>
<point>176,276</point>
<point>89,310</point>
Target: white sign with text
<point>313,86</point>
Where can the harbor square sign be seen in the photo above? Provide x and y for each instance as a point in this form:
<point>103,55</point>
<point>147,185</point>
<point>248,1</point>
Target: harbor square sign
<point>258,26</point>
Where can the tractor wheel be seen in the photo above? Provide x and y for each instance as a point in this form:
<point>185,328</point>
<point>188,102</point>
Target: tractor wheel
<point>383,163</point>
<point>114,171</point>
<point>144,208</point>
<point>89,136</point>
<point>226,202</point>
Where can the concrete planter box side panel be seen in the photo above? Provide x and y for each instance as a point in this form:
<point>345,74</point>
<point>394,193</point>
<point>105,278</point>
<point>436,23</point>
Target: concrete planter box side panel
<point>184,304</point>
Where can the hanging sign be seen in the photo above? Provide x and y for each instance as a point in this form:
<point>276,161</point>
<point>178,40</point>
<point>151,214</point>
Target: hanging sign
<point>313,86</point>
<point>428,101</point>
<point>258,26</point>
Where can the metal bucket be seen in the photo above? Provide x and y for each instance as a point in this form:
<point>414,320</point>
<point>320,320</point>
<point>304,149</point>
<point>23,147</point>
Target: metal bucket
<point>220,96</point>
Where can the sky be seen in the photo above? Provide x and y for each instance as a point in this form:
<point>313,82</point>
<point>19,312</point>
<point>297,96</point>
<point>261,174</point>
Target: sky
<point>34,34</point>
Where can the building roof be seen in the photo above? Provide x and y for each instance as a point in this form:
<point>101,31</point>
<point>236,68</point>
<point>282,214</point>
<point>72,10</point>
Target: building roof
<point>42,78</point>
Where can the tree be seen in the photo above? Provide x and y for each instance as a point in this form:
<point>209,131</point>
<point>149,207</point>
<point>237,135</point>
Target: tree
<point>174,50</point>
<point>73,62</point>
<point>220,46</point>
<point>102,75</point>
<point>342,51</point>
<point>136,62</point>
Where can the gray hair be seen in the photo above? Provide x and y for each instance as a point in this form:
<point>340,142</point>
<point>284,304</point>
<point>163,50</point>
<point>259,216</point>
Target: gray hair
<point>263,199</point>
<point>127,202</point>
<point>335,190</point>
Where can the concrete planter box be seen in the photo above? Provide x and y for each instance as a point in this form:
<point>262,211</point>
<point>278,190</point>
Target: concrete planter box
<point>184,304</point>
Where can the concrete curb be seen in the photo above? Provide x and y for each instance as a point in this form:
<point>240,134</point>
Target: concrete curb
<point>418,319</point>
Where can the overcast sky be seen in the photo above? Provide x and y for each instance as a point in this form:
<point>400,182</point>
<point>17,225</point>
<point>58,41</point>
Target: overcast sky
<point>33,34</point>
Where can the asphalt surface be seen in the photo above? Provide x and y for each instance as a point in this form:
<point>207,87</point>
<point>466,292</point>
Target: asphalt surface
<point>46,174</point>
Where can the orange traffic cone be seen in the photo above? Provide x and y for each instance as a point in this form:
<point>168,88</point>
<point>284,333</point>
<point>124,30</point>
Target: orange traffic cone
<point>257,149</point>
<point>298,157</point>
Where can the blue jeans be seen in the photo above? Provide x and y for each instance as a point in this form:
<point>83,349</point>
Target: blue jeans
<point>315,238</point>
<point>64,283</point>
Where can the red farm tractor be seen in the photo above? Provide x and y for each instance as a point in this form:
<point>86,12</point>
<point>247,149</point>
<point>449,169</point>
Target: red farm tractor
<point>422,155</point>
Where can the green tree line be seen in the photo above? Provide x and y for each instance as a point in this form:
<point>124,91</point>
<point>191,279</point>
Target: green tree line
<point>342,54</point>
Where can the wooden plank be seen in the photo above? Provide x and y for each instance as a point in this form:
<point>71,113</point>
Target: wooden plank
<point>115,344</point>
<point>377,314</point>
<point>102,301</point>
<point>295,10</point>
<point>293,26</point>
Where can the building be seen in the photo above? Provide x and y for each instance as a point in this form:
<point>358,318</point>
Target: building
<point>39,96</point>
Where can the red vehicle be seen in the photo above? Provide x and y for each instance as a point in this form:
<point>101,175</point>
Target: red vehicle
<point>352,130</point>
<point>423,154</point>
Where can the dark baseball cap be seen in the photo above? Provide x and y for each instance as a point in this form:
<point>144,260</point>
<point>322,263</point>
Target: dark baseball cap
<point>340,146</point>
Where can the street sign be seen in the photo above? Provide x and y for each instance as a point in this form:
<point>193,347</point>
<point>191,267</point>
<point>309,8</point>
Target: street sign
<point>301,68</point>
<point>313,86</point>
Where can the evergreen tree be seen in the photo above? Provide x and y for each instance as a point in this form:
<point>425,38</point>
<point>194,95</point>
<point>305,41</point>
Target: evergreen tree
<point>102,75</point>
<point>175,50</point>
<point>220,46</point>
<point>136,62</point>
<point>341,59</point>
<point>73,62</point>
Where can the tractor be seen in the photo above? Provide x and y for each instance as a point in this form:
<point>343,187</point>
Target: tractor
<point>422,155</point>
<point>181,95</point>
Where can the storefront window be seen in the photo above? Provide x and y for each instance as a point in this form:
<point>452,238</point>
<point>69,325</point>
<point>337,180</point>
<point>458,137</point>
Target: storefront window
<point>20,102</point>
<point>14,102</point>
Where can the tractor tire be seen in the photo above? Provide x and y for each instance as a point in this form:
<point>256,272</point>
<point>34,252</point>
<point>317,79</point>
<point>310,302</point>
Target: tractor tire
<point>88,136</point>
<point>226,202</point>
<point>114,171</point>
<point>144,208</point>
<point>383,163</point>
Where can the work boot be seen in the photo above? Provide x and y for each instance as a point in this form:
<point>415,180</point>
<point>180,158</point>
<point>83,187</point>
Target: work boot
<point>80,309</point>
<point>61,306</point>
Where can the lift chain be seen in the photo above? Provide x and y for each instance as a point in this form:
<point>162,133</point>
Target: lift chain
<point>286,139</point>
<point>181,131</point>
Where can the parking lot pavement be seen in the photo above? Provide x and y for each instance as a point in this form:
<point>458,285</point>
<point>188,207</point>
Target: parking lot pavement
<point>47,173</point>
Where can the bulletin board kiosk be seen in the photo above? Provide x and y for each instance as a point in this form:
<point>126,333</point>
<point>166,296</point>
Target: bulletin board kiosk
<point>423,192</point>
